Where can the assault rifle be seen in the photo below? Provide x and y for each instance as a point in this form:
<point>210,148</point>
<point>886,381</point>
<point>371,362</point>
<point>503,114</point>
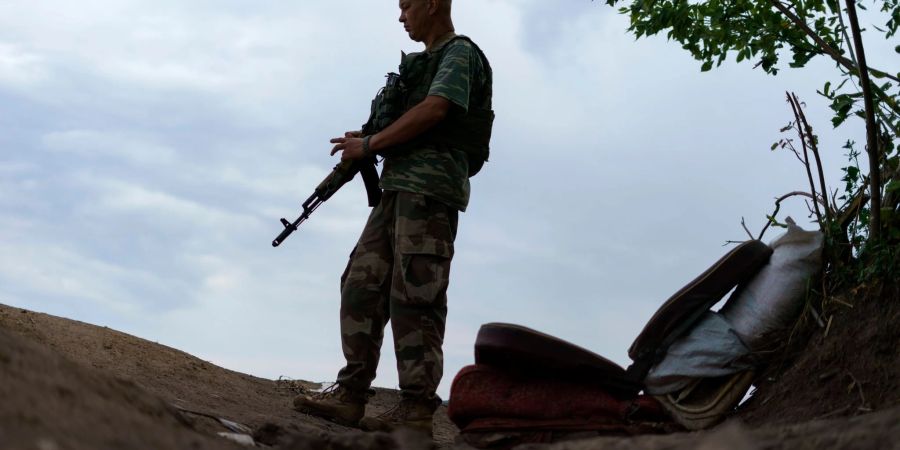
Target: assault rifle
<point>384,110</point>
<point>343,172</point>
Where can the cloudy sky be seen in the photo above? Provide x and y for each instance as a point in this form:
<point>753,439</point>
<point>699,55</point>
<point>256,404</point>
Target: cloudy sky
<point>150,147</point>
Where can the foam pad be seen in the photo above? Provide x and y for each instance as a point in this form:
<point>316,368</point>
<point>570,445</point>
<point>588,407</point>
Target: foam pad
<point>521,349</point>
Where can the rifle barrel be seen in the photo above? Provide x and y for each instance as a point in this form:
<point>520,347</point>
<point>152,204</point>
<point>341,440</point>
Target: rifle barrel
<point>288,229</point>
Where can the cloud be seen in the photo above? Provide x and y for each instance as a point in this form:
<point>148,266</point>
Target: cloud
<point>62,275</point>
<point>163,214</point>
<point>93,144</point>
<point>19,68</point>
<point>553,30</point>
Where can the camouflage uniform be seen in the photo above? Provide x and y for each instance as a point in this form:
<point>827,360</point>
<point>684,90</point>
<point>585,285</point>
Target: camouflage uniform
<point>400,267</point>
<point>433,170</point>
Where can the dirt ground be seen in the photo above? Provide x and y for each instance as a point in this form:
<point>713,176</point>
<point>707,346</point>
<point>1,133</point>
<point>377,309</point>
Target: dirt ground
<point>847,366</point>
<point>70,385</point>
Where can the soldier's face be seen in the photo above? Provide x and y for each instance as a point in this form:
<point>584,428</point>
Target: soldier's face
<point>415,17</point>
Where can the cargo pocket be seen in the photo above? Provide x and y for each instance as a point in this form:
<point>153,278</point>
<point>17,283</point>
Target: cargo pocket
<point>347,269</point>
<point>425,269</point>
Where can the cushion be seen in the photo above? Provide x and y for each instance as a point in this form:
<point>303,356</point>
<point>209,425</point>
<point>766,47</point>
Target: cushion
<point>482,395</point>
<point>521,349</point>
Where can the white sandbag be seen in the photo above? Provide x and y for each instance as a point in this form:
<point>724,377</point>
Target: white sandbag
<point>710,349</point>
<point>774,297</point>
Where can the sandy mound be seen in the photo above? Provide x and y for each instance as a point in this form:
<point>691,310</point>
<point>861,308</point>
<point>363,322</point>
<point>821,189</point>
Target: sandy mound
<point>84,387</point>
<point>50,402</point>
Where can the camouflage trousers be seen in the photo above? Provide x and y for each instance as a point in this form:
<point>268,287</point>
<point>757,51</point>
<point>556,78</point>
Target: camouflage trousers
<point>399,272</point>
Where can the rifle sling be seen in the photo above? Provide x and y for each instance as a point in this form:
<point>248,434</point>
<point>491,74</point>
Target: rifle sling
<point>370,179</point>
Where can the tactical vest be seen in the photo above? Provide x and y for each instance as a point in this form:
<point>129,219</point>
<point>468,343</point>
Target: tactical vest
<point>467,131</point>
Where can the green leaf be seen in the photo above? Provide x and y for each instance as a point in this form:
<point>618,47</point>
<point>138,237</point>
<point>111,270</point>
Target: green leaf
<point>893,186</point>
<point>897,49</point>
<point>842,84</point>
<point>706,66</point>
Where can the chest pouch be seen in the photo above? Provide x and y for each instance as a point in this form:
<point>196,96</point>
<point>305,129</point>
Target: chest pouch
<point>416,73</point>
<point>387,106</point>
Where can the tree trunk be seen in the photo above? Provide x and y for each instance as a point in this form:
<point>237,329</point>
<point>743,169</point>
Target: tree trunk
<point>872,147</point>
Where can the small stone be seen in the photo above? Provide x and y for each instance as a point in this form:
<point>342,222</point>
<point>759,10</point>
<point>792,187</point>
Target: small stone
<point>236,427</point>
<point>243,439</point>
<point>46,444</point>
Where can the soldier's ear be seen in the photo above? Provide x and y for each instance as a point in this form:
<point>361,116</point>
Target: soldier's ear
<point>434,6</point>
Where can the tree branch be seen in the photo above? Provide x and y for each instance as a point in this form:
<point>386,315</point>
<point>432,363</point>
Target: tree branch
<point>778,207</point>
<point>824,45</point>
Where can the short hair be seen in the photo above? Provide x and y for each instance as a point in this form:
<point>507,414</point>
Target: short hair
<point>444,5</point>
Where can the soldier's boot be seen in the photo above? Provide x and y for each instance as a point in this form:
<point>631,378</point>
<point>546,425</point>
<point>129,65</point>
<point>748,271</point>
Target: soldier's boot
<point>338,404</point>
<point>416,414</point>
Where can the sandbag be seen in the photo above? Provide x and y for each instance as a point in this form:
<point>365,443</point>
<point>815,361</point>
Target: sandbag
<point>711,349</point>
<point>682,310</point>
<point>774,297</point>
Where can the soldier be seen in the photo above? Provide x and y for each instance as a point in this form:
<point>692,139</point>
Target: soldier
<point>400,267</point>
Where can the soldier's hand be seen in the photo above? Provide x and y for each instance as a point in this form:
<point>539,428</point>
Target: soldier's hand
<point>352,147</point>
<point>353,134</point>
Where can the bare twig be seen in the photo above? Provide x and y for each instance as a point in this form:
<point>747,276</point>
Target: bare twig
<point>833,413</point>
<point>814,147</point>
<point>834,206</point>
<point>846,36</point>
<point>804,140</point>
<point>815,314</point>
<point>778,207</point>
<point>851,208</point>
<point>837,300</point>
<point>858,385</point>
<point>891,200</point>
<point>789,143</point>
<point>886,122</point>
<point>744,224</point>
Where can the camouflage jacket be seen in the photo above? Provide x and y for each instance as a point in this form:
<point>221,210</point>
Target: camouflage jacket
<point>436,164</point>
